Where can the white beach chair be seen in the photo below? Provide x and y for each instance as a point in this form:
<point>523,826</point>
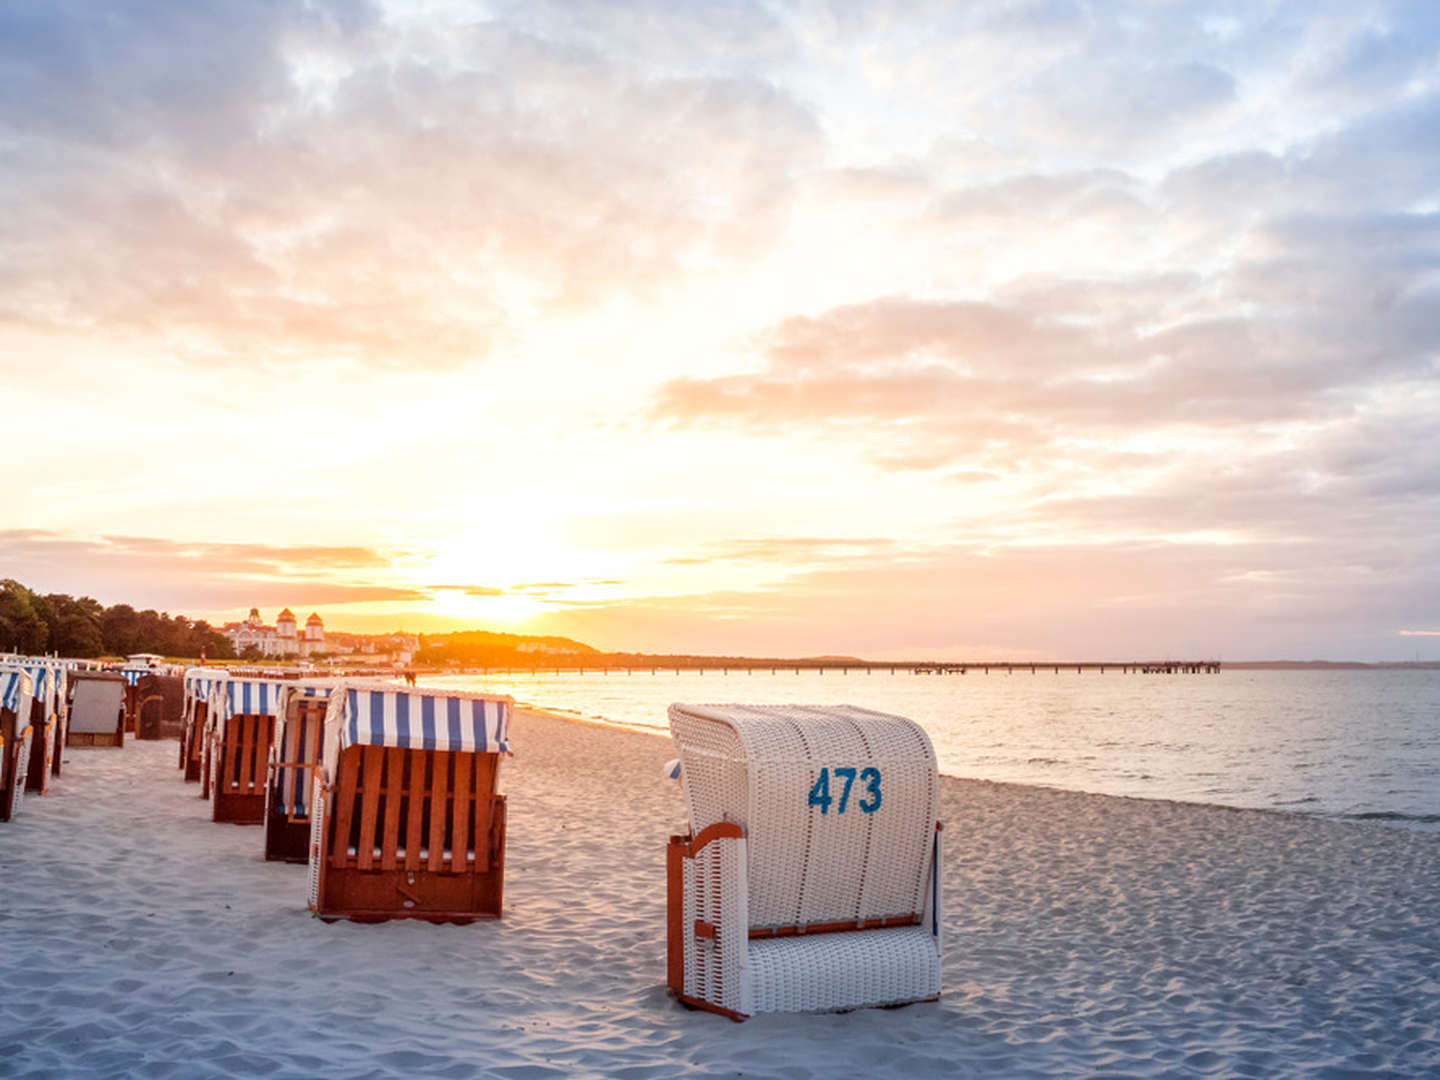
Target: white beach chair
<point>16,732</point>
<point>97,709</point>
<point>810,878</point>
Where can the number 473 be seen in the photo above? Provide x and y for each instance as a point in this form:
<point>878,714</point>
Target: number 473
<point>870,777</point>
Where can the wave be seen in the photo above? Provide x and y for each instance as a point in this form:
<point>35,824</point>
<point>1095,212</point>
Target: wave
<point>1392,815</point>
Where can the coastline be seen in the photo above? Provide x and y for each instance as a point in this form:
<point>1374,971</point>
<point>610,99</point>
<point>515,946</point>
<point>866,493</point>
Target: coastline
<point>1084,933</point>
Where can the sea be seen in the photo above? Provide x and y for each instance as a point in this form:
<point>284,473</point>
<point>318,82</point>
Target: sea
<point>1351,744</point>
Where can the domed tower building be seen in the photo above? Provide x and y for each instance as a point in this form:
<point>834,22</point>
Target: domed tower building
<point>285,628</point>
<point>314,634</point>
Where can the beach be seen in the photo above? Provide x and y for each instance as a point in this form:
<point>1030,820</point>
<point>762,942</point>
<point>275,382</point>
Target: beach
<point>1084,935</point>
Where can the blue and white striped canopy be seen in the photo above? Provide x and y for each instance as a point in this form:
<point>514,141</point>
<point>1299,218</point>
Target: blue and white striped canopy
<point>45,677</point>
<point>248,697</point>
<point>15,686</point>
<point>133,675</point>
<point>430,720</point>
<point>297,741</point>
<point>199,682</point>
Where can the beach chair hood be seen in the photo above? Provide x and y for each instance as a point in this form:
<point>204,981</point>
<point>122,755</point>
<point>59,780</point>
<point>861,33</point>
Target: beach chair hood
<point>373,713</point>
<point>17,688</point>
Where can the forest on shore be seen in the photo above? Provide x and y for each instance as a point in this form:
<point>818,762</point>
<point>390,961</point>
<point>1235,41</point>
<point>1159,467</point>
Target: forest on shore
<point>82,627</point>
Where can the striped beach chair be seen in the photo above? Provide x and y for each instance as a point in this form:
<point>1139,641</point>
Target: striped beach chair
<point>810,879</point>
<point>405,817</point>
<point>241,720</point>
<point>132,674</point>
<point>97,709</point>
<point>47,678</point>
<point>16,732</point>
<point>294,755</point>
<point>199,684</point>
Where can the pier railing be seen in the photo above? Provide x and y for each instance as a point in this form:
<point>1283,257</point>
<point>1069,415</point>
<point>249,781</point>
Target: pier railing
<point>986,667</point>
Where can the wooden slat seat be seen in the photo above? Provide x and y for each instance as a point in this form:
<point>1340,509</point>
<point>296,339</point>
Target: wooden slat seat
<point>408,831</point>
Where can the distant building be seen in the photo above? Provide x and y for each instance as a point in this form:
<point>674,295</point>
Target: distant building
<point>280,639</point>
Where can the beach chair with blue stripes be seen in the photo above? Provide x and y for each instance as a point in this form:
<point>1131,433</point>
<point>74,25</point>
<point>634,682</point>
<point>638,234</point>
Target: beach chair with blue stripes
<point>47,678</point>
<point>294,755</point>
<point>17,692</point>
<point>241,729</point>
<point>406,819</point>
<point>199,684</point>
<point>809,881</point>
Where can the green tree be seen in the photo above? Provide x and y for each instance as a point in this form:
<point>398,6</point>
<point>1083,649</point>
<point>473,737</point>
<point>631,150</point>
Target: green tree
<point>120,629</point>
<point>22,626</point>
<point>75,625</point>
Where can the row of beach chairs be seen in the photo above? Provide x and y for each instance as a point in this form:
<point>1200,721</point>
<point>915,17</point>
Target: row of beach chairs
<point>48,703</point>
<point>809,879</point>
<point>388,793</point>
<point>34,695</point>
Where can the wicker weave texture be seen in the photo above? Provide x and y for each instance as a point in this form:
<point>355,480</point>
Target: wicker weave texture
<point>317,833</point>
<point>715,894</point>
<point>757,766</point>
<point>825,972</point>
<point>22,766</point>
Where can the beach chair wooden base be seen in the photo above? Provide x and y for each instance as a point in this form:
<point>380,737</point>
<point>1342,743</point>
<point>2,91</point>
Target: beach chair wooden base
<point>114,739</point>
<point>239,761</point>
<point>287,839</point>
<point>14,763</point>
<point>192,743</point>
<point>132,710</point>
<point>371,896</point>
<point>42,746</point>
<point>408,834</point>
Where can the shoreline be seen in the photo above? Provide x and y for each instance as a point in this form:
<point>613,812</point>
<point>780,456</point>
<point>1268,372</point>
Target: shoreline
<point>1084,934</point>
<point>1376,820</point>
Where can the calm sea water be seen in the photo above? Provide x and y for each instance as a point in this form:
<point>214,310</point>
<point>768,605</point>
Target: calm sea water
<point>1345,744</point>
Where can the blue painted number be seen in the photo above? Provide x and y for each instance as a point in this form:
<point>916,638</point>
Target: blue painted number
<point>820,791</point>
<point>871,779</point>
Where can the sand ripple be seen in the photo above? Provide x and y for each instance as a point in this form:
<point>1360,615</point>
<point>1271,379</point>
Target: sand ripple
<point>1085,935</point>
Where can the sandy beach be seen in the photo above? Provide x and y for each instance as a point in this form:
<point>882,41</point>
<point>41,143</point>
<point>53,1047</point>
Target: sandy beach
<point>1085,935</point>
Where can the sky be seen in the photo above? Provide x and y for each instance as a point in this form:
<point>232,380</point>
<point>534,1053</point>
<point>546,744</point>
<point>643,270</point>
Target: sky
<point>1055,330</point>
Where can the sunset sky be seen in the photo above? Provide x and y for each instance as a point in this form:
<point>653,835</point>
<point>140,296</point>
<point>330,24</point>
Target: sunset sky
<point>1031,329</point>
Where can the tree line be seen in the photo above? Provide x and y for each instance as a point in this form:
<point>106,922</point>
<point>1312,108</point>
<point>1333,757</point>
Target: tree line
<point>83,627</point>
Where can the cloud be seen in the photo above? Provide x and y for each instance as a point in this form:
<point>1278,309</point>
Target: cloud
<point>806,550</point>
<point>246,183</point>
<point>204,577</point>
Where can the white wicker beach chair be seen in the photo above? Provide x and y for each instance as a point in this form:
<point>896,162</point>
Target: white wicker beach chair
<point>810,879</point>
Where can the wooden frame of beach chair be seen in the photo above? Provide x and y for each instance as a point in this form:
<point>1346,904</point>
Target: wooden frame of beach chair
<point>16,732</point>
<point>242,727</point>
<point>45,719</point>
<point>62,703</point>
<point>97,709</point>
<point>406,821</point>
<point>132,677</point>
<point>810,879</point>
<point>294,755</point>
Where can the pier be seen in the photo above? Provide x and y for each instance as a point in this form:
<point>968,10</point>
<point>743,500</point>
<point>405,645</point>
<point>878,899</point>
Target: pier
<point>820,667</point>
